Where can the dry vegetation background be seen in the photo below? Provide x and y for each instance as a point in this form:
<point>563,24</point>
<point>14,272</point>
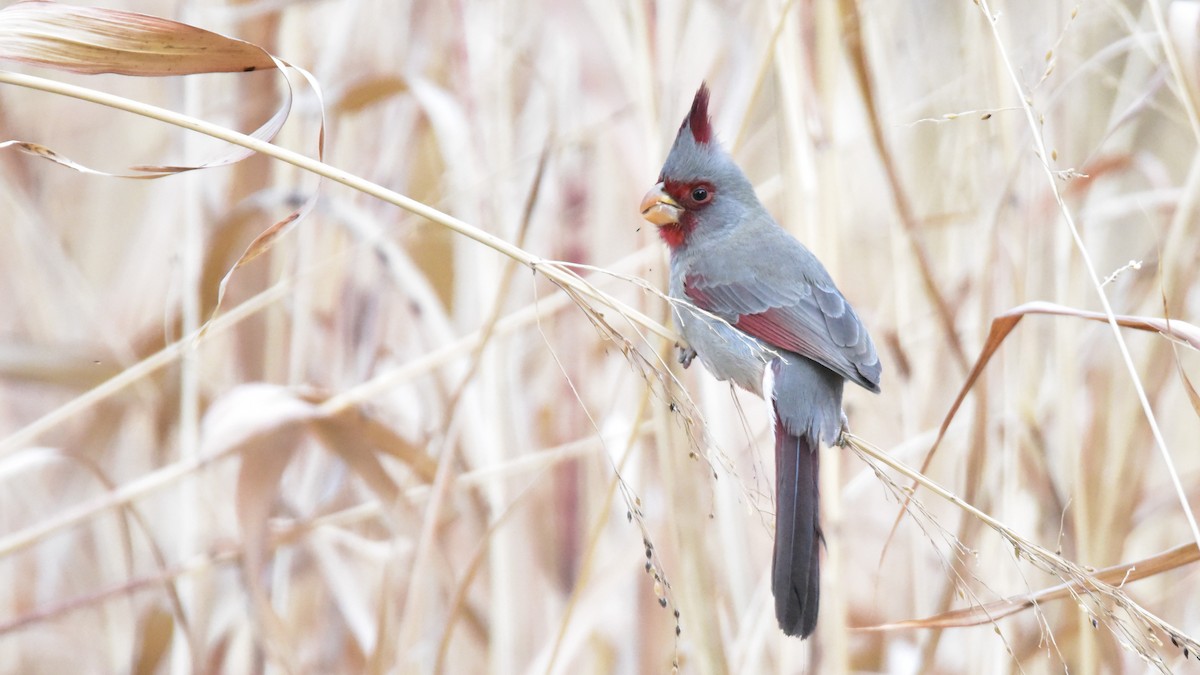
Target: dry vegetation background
<point>397,450</point>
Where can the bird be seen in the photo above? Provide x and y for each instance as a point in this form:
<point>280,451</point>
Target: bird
<point>758,309</point>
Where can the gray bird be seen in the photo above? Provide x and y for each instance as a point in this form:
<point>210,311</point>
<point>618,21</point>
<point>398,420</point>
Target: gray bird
<point>785,329</point>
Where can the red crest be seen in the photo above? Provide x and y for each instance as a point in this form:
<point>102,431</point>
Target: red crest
<point>698,119</point>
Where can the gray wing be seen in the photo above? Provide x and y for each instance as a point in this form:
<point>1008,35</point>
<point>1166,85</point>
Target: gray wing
<point>788,309</point>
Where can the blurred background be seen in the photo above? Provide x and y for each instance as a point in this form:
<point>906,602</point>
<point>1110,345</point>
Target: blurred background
<point>398,450</point>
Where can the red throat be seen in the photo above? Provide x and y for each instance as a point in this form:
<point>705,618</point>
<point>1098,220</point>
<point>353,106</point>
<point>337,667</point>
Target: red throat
<point>676,234</point>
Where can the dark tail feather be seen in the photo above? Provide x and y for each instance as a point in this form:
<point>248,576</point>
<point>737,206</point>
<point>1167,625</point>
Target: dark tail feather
<point>796,571</point>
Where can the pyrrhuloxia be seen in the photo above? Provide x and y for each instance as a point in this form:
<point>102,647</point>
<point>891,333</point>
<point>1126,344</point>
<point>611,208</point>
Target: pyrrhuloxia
<point>786,329</point>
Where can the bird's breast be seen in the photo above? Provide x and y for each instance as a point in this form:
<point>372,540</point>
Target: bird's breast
<point>726,352</point>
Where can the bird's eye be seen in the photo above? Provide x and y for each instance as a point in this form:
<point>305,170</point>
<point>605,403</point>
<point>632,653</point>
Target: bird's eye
<point>700,195</point>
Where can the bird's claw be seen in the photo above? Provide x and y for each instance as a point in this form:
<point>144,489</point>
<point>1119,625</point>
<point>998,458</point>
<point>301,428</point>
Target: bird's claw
<point>686,354</point>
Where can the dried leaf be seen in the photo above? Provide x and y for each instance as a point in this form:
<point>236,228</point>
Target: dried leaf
<point>1002,325</point>
<point>42,152</point>
<point>372,91</point>
<point>1177,330</point>
<point>1116,575</point>
<point>93,40</point>
<point>340,435</point>
<point>263,424</point>
<point>265,240</point>
<point>155,632</point>
<point>1188,387</point>
<point>386,440</point>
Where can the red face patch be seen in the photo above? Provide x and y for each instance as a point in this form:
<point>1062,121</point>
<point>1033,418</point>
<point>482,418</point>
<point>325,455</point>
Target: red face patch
<point>693,196</point>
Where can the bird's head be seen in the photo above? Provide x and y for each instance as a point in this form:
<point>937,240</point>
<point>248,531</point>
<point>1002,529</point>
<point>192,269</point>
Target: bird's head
<point>699,187</point>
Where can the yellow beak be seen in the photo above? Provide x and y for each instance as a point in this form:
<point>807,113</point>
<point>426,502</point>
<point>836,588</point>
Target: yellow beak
<point>658,207</point>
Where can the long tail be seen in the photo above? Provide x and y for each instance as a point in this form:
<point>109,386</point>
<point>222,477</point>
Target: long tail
<point>796,574</point>
<point>807,400</point>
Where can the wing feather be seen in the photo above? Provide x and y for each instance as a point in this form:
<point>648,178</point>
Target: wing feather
<point>810,318</point>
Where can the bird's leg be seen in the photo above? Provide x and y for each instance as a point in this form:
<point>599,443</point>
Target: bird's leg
<point>686,354</point>
<point>842,441</point>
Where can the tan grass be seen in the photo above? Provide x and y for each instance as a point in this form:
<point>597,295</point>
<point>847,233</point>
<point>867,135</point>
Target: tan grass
<point>252,422</point>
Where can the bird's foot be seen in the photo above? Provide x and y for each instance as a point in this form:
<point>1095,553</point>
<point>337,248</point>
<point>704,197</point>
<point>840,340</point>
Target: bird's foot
<point>842,441</point>
<point>686,354</point>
